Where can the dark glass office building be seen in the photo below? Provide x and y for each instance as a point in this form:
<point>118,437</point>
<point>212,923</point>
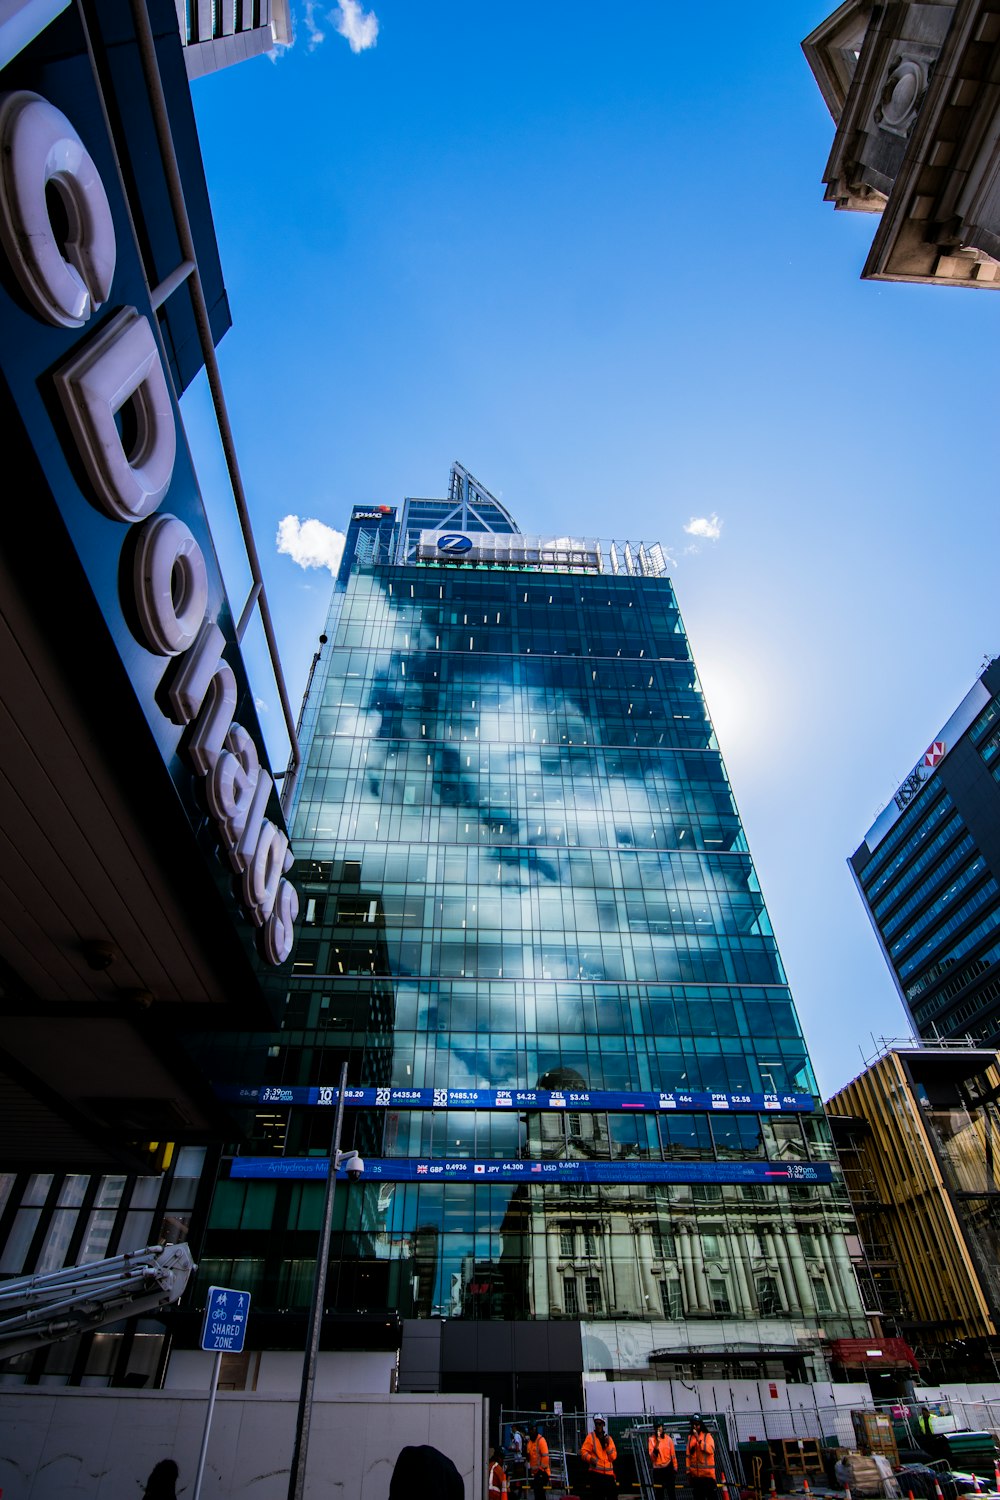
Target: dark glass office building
<point>532,926</point>
<point>927,873</point>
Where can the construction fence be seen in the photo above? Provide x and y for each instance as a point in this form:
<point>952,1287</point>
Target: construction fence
<point>792,1448</point>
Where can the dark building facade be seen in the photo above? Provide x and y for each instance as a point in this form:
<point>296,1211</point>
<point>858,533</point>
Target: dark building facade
<point>141,906</point>
<point>531,925</point>
<point>928,873</point>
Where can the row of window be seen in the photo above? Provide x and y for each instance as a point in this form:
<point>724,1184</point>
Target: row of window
<point>485,917</point>
<point>331,819</point>
<point>467,1060</point>
<point>968,876</point>
<point>662,1016</point>
<point>897,847</point>
<point>472,686</point>
<point>951,861</point>
<point>478,1134</point>
<point>378,867</point>
<point>986,894</point>
<point>668,773</point>
<point>49,1220</point>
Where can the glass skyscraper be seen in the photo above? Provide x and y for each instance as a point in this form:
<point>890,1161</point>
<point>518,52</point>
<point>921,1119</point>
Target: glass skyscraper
<point>928,871</point>
<point>532,926</point>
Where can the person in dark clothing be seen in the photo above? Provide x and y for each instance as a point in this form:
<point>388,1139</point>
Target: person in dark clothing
<point>162,1482</point>
<point>425,1473</point>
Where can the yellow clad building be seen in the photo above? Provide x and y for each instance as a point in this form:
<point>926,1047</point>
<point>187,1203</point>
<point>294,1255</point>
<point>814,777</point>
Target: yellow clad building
<point>918,1134</point>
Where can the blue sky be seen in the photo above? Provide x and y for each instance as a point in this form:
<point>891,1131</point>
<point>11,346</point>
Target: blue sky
<point>584,250</point>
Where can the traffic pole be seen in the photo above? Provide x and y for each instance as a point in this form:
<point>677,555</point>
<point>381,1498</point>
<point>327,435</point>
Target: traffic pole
<point>200,1474</point>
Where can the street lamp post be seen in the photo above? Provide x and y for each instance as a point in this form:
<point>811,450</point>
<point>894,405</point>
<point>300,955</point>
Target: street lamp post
<point>296,1479</point>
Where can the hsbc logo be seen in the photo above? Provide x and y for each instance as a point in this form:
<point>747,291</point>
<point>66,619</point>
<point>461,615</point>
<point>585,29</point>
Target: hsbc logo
<point>454,542</point>
<point>935,753</point>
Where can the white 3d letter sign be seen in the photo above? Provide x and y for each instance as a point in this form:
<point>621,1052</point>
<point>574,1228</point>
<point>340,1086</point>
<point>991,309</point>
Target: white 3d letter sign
<point>66,276</point>
<point>38,147</point>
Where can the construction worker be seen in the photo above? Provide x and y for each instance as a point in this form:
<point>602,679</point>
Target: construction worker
<point>701,1461</point>
<point>663,1462</point>
<point>496,1483</point>
<point>599,1454</point>
<point>539,1466</point>
<point>516,1458</point>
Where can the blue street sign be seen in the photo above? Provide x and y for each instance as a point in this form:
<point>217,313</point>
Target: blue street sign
<point>225,1325</point>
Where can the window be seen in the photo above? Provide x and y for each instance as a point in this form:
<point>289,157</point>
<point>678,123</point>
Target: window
<point>571,1307</point>
<point>673,1306</point>
<point>566,1242</point>
<point>768,1300</point>
<point>719,1293</point>
<point>711,1247</point>
<point>822,1294</point>
<point>592,1294</point>
<point>589,1240</point>
<point>663,1242</point>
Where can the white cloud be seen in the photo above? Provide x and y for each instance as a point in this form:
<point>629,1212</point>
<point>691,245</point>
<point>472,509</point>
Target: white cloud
<point>310,543</point>
<point>360,27</point>
<point>709,527</point>
<point>316,34</point>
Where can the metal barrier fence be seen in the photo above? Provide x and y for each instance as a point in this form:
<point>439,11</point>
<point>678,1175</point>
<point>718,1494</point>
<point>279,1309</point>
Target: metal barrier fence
<point>631,1431</point>
<point>814,1429</point>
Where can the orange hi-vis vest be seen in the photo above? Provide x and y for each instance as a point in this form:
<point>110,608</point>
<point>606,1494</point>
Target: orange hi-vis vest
<point>701,1455</point>
<point>599,1457</point>
<point>662,1453</point>
<point>538,1455</point>
<point>497,1482</point>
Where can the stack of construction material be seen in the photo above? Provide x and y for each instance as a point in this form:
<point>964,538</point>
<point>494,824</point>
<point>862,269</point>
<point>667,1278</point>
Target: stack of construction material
<point>867,1474</point>
<point>973,1453</point>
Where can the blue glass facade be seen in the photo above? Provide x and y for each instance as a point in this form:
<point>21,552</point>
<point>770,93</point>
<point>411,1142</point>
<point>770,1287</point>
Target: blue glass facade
<point>928,871</point>
<point>522,868</point>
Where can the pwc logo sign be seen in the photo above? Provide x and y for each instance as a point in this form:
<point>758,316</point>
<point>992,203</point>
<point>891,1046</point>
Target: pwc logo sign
<point>454,543</point>
<point>166,586</point>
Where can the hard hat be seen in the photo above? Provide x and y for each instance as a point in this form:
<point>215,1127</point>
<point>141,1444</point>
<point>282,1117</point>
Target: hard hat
<point>599,1417</point>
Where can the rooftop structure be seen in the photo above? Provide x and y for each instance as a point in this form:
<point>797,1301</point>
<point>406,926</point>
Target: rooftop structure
<point>911,88</point>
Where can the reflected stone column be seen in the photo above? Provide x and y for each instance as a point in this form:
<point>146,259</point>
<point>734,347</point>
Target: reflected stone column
<point>832,1278</point>
<point>703,1304</point>
<point>543,1265</point>
<point>745,1303</point>
<point>776,1255</point>
<point>848,1279</point>
<point>650,1287</point>
<point>687,1273</point>
<point>802,1281</point>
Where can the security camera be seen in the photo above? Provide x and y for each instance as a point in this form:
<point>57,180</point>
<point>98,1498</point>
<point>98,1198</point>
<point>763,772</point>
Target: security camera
<point>353,1166</point>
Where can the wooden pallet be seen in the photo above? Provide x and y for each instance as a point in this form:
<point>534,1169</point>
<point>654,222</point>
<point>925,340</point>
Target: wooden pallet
<point>796,1455</point>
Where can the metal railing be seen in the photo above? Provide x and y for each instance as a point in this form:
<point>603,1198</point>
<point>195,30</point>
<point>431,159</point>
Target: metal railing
<point>187,274</point>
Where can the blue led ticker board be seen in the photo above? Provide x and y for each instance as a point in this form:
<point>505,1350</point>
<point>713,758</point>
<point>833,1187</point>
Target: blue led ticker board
<point>585,1101</point>
<point>225,1325</point>
<point>315,1168</point>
